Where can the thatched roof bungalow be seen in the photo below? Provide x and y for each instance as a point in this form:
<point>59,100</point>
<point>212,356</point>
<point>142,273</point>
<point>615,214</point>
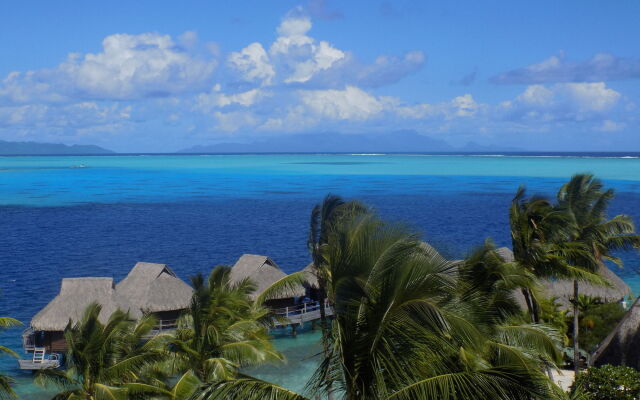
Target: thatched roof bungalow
<point>311,285</point>
<point>152,288</point>
<point>263,272</point>
<point>148,289</point>
<point>311,279</point>
<point>622,345</point>
<point>562,289</point>
<point>75,295</point>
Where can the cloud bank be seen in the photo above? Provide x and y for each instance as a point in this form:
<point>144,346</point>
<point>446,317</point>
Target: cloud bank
<point>293,83</point>
<point>600,67</point>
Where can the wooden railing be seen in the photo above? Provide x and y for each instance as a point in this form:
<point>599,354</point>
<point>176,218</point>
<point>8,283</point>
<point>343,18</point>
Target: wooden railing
<point>300,309</point>
<point>28,340</point>
<point>166,324</point>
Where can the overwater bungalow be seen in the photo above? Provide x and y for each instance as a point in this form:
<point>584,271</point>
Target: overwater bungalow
<point>311,285</point>
<point>153,289</point>
<point>263,272</point>
<point>147,289</point>
<point>45,335</point>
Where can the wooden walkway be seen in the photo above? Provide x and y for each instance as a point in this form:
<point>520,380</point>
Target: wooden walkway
<point>300,314</point>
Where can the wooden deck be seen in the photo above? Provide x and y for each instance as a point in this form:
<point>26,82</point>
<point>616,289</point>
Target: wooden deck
<point>298,315</point>
<point>32,365</point>
<point>40,360</point>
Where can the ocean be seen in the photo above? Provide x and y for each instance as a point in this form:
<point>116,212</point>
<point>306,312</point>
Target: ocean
<point>73,216</point>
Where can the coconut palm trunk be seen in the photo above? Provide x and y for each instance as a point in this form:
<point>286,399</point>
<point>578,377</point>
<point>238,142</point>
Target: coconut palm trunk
<point>576,347</point>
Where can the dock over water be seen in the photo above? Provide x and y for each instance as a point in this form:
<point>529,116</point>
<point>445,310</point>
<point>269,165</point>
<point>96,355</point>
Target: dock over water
<point>298,315</point>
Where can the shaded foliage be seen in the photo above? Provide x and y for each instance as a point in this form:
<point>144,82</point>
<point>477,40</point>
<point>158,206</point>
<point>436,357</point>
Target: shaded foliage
<point>6,391</point>
<point>609,383</point>
<point>596,323</point>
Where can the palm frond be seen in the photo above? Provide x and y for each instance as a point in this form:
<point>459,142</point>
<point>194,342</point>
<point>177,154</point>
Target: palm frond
<point>245,389</point>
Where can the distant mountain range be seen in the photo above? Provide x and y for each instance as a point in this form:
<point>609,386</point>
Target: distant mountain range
<point>35,148</point>
<point>396,142</point>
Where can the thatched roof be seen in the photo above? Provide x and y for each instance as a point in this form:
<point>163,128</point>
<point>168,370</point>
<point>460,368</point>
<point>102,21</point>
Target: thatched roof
<point>74,297</point>
<point>506,254</point>
<point>262,271</point>
<point>562,289</point>
<point>152,288</point>
<point>622,345</point>
<point>311,280</point>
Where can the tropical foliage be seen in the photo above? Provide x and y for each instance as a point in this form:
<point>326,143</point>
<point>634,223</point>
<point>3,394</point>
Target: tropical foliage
<point>408,324</point>
<point>609,383</point>
<point>102,358</point>
<point>541,236</point>
<point>596,321</point>
<point>223,330</point>
<point>5,382</point>
<point>325,217</point>
<point>584,202</point>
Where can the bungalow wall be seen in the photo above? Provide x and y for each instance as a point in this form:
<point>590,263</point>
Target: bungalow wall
<point>52,341</point>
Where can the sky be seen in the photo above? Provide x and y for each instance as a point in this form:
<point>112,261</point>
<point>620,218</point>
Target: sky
<point>159,76</point>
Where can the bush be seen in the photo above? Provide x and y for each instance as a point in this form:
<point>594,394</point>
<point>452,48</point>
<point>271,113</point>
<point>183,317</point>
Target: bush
<point>609,383</point>
<point>597,322</point>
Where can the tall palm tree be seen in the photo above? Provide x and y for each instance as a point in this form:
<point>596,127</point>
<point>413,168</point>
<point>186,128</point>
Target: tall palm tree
<point>585,201</point>
<point>532,221</point>
<point>222,331</point>
<point>5,381</point>
<point>542,240</point>
<point>101,358</point>
<point>324,219</point>
<point>403,330</point>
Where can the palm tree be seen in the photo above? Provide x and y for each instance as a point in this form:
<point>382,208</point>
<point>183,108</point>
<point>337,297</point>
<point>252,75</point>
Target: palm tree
<point>222,331</point>
<point>5,381</point>
<point>585,202</point>
<point>532,221</point>
<point>403,329</point>
<point>542,237</point>
<point>324,219</point>
<point>102,358</point>
<point>486,275</point>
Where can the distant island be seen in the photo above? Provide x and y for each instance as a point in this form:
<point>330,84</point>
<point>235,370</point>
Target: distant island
<point>395,142</point>
<point>35,148</point>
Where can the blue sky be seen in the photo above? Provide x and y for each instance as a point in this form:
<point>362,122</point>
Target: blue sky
<point>161,75</point>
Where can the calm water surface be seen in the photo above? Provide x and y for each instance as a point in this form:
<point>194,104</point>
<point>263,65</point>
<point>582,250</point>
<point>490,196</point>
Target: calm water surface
<point>194,212</point>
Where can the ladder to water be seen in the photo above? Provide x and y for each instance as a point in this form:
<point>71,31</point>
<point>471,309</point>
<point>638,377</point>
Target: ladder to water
<point>38,355</point>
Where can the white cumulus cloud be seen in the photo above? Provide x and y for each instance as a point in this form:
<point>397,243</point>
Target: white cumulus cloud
<point>128,67</point>
<point>253,63</point>
<point>297,59</point>
<point>562,102</point>
<point>351,103</point>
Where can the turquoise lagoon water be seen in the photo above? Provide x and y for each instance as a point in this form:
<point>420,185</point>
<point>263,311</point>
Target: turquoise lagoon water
<point>194,212</point>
